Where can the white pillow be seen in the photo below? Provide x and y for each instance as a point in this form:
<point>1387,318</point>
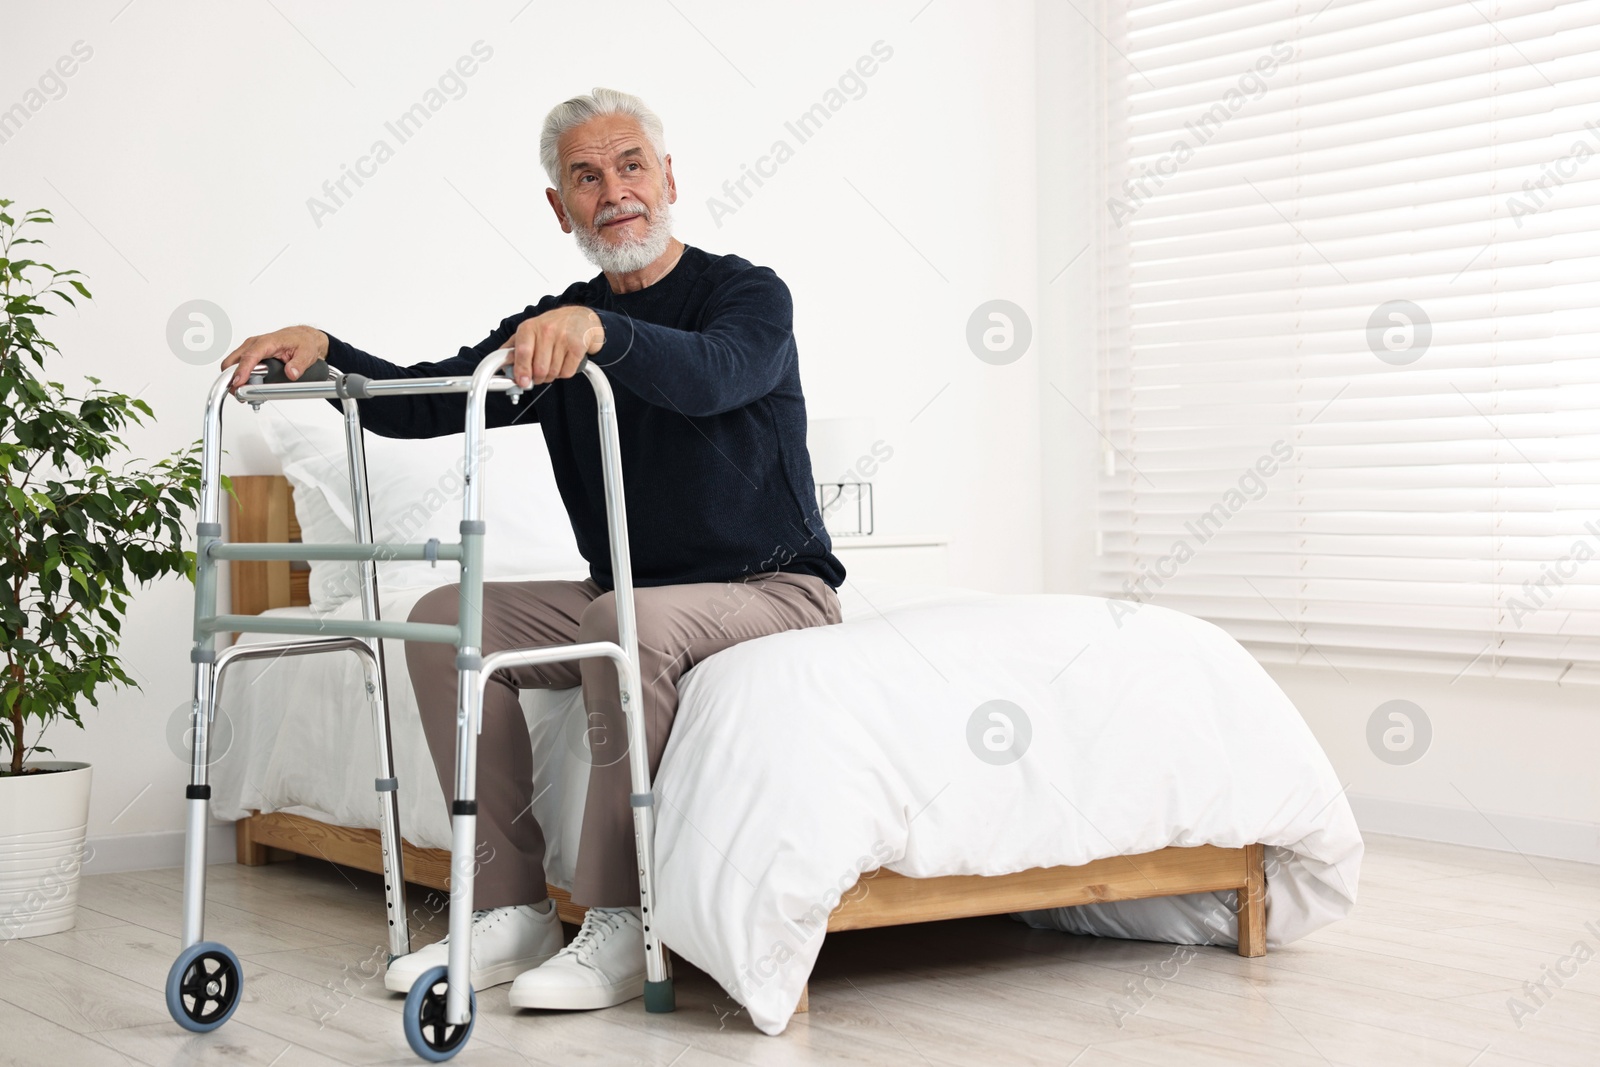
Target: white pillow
<point>415,489</point>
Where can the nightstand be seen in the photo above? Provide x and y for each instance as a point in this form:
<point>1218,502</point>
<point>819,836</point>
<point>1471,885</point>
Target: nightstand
<point>889,558</point>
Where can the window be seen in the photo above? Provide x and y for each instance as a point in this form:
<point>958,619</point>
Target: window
<point>1350,384</point>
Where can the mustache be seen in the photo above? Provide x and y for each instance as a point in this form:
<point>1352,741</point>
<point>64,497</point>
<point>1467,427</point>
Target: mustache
<point>609,214</point>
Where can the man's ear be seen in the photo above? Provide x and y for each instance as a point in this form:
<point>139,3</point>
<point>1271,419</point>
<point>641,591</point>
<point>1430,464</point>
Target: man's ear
<point>672,185</point>
<point>561,212</point>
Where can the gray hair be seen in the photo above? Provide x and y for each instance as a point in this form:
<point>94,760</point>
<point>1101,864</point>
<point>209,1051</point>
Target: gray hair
<point>581,109</point>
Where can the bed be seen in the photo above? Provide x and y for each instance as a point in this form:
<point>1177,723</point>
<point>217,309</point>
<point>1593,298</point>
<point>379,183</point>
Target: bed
<point>1206,815</point>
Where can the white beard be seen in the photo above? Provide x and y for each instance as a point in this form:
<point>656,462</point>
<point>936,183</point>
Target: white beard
<point>634,253</point>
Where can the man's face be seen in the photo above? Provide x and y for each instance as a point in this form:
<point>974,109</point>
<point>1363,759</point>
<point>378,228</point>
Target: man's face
<point>615,193</point>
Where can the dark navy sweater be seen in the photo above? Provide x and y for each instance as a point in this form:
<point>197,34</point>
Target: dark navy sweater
<point>710,414</point>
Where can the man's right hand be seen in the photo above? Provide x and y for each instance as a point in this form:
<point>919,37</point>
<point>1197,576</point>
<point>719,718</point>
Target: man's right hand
<point>297,346</point>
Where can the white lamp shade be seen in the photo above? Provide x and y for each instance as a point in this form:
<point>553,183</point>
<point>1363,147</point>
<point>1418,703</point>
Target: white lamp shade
<point>838,445</point>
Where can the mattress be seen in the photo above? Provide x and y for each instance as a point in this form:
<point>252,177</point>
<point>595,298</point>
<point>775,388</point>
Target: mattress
<point>800,759</point>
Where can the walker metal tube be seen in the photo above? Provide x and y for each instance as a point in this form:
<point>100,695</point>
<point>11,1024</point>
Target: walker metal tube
<point>194,872</point>
<point>277,649</point>
<point>373,387</point>
<point>211,451</point>
<point>197,817</point>
<point>458,963</point>
<point>616,525</point>
<point>658,994</point>
<point>469,698</point>
<point>208,528</point>
<point>463,849</point>
<point>484,379</point>
<point>386,785</point>
<point>529,657</point>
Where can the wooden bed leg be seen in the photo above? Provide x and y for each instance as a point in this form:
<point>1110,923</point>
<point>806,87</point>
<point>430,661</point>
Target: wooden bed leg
<point>1253,903</point>
<point>805,999</point>
<point>248,853</point>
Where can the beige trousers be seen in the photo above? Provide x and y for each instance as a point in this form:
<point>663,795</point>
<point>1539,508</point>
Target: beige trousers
<point>679,625</point>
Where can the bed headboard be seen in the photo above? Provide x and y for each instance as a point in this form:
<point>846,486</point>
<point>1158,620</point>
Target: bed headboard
<point>264,511</point>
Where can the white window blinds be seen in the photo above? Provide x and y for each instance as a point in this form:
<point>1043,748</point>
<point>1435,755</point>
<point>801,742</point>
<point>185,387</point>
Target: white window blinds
<point>1350,386</point>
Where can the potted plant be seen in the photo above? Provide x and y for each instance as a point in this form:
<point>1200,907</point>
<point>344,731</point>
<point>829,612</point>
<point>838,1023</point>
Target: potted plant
<point>75,532</point>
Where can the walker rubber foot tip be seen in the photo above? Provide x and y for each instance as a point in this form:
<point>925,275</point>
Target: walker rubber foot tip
<point>658,997</point>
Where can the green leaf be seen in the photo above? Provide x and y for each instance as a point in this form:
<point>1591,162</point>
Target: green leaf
<point>77,535</point>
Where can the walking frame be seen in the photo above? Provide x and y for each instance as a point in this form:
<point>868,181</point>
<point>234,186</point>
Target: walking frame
<point>204,984</point>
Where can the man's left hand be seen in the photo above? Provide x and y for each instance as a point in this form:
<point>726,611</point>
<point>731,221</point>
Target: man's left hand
<point>553,345</point>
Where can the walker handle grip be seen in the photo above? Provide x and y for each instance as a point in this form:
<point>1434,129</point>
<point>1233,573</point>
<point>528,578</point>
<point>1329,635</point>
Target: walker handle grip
<point>505,369</point>
<point>317,372</point>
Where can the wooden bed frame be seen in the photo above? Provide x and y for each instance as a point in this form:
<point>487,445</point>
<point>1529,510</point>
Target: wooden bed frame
<point>264,511</point>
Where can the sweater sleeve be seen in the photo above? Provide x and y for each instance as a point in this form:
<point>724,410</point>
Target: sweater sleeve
<point>740,355</point>
<point>432,414</point>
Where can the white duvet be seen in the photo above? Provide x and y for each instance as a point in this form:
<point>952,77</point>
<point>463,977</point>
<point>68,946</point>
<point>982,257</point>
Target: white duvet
<point>800,760</point>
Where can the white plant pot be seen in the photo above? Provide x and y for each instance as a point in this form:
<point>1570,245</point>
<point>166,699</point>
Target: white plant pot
<point>43,820</point>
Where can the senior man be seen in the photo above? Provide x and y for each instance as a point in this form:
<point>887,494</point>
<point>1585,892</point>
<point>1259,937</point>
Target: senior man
<point>726,537</point>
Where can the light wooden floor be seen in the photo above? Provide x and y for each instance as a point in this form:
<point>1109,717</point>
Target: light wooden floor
<point>1421,974</point>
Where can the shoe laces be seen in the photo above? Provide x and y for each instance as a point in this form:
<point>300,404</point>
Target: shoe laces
<point>482,919</point>
<point>597,923</point>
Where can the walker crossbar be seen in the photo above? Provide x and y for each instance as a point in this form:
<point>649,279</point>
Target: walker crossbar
<point>300,551</point>
<point>436,633</point>
<point>207,973</point>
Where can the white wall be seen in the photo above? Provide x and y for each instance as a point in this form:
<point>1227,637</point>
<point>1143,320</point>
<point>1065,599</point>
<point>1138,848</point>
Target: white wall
<point>181,157</point>
<point>1511,765</point>
<point>1071,95</point>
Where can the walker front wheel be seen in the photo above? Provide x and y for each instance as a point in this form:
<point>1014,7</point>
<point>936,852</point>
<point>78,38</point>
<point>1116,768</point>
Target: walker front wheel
<point>203,986</point>
<point>426,1030</point>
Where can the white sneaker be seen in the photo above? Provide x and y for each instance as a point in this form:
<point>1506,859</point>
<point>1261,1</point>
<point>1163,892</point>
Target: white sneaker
<point>603,966</point>
<point>505,942</point>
